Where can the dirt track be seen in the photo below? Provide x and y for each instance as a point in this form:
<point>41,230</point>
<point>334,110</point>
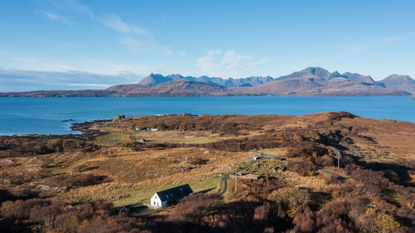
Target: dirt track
<point>224,179</point>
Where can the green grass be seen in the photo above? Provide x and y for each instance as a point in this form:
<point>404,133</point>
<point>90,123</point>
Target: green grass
<point>88,157</point>
<point>273,152</point>
<point>242,164</point>
<point>56,170</point>
<point>209,184</point>
<point>201,141</point>
<point>116,136</point>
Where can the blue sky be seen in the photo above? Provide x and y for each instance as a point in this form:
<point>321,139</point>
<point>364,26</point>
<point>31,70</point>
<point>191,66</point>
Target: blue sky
<point>69,44</point>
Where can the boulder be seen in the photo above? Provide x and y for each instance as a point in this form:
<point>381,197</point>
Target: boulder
<point>7,161</point>
<point>118,118</point>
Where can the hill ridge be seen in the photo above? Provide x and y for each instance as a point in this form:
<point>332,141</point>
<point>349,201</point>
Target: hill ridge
<point>311,81</point>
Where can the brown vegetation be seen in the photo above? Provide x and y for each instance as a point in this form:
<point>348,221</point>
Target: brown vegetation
<point>40,191</point>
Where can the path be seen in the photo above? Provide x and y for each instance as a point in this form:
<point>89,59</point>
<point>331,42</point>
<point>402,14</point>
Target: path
<point>224,179</point>
<point>339,177</point>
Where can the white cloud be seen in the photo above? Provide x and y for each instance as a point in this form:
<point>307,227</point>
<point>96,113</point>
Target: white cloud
<point>230,63</point>
<point>115,22</point>
<point>72,5</point>
<point>136,39</point>
<point>392,38</point>
<point>56,17</point>
<point>168,52</point>
<point>211,52</point>
<point>21,62</point>
<point>256,63</point>
<point>182,53</point>
<point>26,80</point>
<point>231,60</point>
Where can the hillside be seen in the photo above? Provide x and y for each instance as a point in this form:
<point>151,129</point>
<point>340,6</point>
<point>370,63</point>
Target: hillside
<point>174,88</point>
<point>400,82</point>
<point>77,93</point>
<point>63,183</point>
<point>310,88</point>
<point>168,89</point>
<point>315,81</point>
<point>155,79</point>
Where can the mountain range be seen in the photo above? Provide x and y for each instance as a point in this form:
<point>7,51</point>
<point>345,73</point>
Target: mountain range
<point>155,79</point>
<point>312,81</point>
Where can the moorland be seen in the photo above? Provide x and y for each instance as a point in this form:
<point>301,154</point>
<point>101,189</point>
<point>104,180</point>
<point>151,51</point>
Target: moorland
<point>78,183</point>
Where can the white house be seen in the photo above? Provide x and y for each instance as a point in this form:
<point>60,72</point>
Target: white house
<point>154,129</point>
<point>163,198</point>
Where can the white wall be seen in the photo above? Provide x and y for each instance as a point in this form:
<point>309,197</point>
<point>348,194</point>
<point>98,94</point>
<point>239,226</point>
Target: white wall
<point>155,201</point>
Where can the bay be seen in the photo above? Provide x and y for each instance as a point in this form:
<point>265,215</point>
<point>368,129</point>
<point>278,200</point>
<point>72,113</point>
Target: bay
<point>44,115</point>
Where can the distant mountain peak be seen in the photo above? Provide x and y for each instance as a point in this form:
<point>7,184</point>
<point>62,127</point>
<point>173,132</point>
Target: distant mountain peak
<point>311,81</point>
<point>401,82</point>
<point>155,79</point>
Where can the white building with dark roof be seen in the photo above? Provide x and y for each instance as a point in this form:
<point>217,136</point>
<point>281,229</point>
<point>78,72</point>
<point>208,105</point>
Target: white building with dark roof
<point>169,196</point>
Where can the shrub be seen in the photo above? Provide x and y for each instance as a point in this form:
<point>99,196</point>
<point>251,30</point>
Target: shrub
<point>81,168</point>
<point>385,223</point>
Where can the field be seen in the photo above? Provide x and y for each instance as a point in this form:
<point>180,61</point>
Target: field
<point>126,167</point>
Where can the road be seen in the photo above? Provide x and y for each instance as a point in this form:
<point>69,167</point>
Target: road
<point>339,177</point>
<point>224,179</point>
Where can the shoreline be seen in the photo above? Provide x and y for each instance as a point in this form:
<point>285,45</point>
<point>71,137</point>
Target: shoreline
<point>87,131</point>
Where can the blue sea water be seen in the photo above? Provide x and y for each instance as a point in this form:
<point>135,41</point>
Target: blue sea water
<point>44,115</point>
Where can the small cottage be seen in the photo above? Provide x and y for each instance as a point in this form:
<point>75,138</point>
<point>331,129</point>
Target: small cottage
<point>154,129</point>
<point>170,196</point>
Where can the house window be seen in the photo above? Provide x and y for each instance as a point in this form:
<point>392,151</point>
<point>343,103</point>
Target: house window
<point>155,197</point>
<point>167,196</point>
<point>171,195</point>
<point>154,203</point>
<point>181,189</point>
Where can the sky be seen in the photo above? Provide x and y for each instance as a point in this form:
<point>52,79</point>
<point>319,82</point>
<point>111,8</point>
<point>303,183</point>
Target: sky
<point>93,44</point>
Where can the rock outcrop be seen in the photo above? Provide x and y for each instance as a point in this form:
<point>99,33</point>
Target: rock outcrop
<point>118,118</point>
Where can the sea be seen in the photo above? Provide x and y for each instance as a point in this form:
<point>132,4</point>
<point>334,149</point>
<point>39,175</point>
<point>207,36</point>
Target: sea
<point>19,115</point>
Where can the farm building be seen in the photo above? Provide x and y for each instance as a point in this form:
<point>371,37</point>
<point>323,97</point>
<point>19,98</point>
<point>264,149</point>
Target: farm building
<point>168,197</point>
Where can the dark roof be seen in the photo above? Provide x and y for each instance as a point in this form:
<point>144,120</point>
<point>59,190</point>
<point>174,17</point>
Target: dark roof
<point>175,193</point>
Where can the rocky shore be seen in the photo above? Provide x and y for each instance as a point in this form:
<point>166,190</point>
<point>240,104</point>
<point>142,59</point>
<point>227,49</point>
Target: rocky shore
<point>90,129</point>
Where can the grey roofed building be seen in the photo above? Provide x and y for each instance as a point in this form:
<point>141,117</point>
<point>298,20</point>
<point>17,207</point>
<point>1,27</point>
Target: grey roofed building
<point>162,198</point>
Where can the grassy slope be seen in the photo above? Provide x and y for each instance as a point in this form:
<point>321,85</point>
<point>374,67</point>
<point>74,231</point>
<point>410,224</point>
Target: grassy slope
<point>132,177</point>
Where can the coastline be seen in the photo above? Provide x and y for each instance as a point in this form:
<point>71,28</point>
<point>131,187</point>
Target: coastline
<point>88,131</point>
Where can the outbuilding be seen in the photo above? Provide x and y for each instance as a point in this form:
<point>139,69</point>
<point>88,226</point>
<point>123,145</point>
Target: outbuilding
<point>170,196</point>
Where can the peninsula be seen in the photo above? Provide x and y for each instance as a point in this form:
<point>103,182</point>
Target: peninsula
<point>295,173</point>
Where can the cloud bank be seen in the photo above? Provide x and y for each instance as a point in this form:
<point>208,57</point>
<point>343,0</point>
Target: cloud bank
<point>56,17</point>
<point>231,63</point>
<point>19,80</point>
